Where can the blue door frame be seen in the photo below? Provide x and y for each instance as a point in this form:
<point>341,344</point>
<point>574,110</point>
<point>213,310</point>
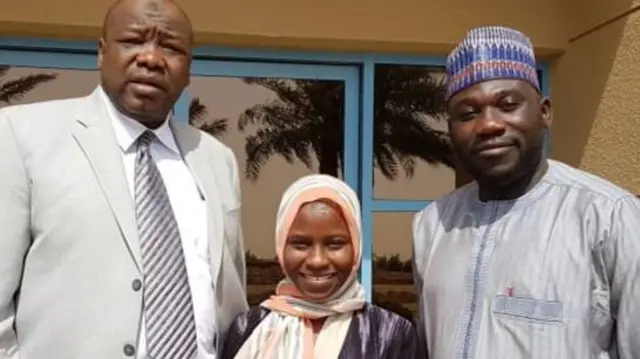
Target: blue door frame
<point>357,70</point>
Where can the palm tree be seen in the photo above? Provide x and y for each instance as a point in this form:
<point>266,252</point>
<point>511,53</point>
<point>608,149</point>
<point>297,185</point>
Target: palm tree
<point>13,90</point>
<point>197,113</point>
<point>307,119</point>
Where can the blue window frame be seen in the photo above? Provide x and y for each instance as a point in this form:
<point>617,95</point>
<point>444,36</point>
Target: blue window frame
<point>356,69</point>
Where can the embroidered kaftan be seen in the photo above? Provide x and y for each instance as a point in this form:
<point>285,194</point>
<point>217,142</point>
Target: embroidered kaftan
<point>554,274</point>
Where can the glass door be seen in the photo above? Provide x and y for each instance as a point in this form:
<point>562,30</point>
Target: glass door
<point>282,121</point>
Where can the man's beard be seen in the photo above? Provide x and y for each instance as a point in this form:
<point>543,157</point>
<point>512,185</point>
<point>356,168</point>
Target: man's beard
<point>525,168</point>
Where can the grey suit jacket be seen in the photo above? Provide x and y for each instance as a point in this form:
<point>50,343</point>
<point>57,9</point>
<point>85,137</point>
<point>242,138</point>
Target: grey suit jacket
<point>69,249</point>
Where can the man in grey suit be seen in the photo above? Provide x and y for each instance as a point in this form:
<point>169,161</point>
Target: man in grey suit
<point>119,228</point>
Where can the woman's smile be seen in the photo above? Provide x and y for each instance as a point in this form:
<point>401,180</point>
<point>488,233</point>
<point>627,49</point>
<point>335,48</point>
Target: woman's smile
<point>319,255</point>
<point>319,285</point>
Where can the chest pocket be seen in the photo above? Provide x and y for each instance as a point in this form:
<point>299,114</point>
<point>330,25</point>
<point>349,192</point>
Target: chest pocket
<point>529,309</point>
<point>531,327</point>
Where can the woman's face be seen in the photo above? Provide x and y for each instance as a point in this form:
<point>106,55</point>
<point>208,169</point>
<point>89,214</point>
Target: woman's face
<point>318,255</point>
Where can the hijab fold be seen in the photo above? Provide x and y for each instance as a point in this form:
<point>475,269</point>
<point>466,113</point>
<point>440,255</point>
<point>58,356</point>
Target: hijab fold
<point>286,332</point>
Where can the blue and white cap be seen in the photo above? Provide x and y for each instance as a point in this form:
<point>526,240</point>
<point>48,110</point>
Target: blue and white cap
<point>491,52</point>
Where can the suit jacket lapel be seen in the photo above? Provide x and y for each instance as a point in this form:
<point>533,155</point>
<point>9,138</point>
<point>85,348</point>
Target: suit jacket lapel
<point>200,165</point>
<point>95,136</point>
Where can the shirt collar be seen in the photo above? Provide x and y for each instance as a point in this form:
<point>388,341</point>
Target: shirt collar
<point>127,130</point>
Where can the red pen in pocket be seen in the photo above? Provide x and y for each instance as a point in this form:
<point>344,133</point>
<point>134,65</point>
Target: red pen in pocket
<point>509,291</point>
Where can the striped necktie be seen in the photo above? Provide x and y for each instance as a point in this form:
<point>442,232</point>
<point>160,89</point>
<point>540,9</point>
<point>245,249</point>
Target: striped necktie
<point>168,308</point>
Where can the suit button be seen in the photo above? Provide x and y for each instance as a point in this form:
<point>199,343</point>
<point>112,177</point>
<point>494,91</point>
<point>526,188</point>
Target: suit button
<point>129,350</point>
<point>136,284</point>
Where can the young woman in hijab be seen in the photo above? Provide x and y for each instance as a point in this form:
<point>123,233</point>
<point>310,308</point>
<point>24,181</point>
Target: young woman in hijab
<point>319,310</point>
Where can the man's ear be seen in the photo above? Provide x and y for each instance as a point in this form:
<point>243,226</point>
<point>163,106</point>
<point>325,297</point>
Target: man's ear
<point>546,111</point>
<point>101,49</point>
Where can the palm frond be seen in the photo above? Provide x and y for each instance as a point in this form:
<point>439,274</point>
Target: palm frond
<point>314,100</point>
<point>215,128</point>
<point>415,89</point>
<point>197,118</point>
<point>16,89</point>
<point>288,142</point>
<point>385,160</point>
<point>273,113</point>
<point>197,111</point>
<point>431,146</point>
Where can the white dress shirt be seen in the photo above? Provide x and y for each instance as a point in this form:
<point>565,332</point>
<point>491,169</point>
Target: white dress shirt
<point>190,212</point>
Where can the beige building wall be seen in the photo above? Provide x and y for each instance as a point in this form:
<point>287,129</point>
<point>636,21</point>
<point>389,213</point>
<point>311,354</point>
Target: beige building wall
<point>356,25</point>
<point>596,87</point>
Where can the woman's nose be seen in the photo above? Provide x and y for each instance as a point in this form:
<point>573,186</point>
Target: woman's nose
<point>318,258</point>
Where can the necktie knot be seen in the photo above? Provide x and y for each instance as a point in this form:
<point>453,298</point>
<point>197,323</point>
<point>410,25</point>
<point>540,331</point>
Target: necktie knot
<point>146,138</point>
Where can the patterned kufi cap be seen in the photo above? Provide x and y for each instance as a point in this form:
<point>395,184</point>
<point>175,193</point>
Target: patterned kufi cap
<point>491,52</point>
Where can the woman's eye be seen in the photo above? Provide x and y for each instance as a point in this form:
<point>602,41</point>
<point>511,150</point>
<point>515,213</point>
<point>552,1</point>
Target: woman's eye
<point>336,244</point>
<point>298,243</point>
<point>299,246</point>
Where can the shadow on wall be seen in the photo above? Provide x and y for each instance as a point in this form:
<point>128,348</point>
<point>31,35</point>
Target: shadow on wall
<point>580,77</point>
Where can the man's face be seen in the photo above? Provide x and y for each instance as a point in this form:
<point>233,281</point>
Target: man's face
<point>497,129</point>
<point>145,58</point>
